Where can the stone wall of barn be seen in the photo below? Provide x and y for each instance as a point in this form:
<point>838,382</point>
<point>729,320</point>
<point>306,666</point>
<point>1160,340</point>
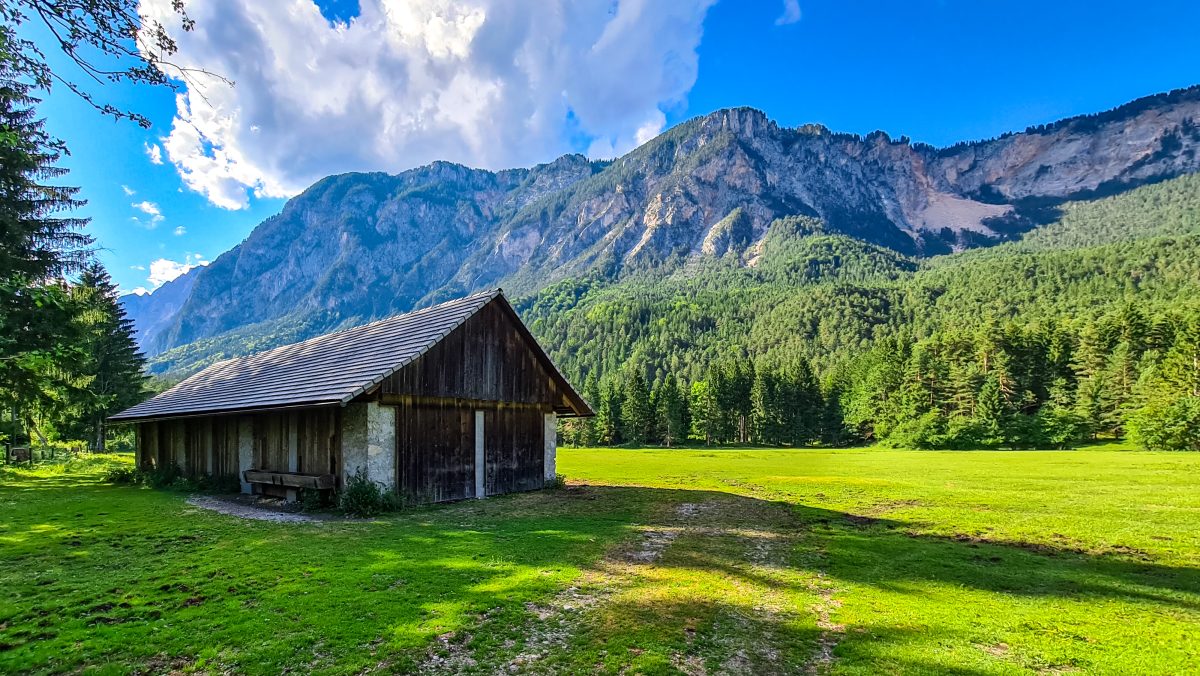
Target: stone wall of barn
<point>369,442</point>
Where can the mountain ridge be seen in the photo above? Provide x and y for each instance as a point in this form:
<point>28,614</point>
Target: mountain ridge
<point>354,247</point>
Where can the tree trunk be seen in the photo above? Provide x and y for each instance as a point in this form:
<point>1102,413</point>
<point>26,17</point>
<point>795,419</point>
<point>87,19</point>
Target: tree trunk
<point>98,447</point>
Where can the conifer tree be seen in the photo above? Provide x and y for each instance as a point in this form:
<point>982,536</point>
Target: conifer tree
<point>706,415</point>
<point>112,365</point>
<point>805,396</point>
<point>637,415</point>
<point>992,412</point>
<point>37,245</point>
<point>766,404</point>
<point>672,406</point>
<point>612,431</point>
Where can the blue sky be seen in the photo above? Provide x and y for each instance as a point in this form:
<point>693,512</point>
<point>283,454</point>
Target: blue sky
<point>495,83</point>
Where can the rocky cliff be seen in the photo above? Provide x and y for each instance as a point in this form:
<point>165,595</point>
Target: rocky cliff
<point>358,246</point>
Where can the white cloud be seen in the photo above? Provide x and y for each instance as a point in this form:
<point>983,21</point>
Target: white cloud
<point>129,192</point>
<point>154,152</point>
<point>151,210</point>
<point>180,230</point>
<point>490,83</point>
<point>164,270</point>
<point>137,267</point>
<point>791,13</point>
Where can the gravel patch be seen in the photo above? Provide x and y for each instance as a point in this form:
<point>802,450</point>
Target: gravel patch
<point>245,509</point>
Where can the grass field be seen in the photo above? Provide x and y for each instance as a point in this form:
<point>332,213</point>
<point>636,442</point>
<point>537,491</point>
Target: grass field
<point>651,561</point>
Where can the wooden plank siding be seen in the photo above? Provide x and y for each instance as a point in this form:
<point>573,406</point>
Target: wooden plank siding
<point>315,432</point>
<point>224,445</point>
<point>435,448</point>
<point>319,440</point>
<point>270,442</point>
<point>209,444</point>
<point>514,450</point>
<point>197,445</point>
<point>435,451</point>
<point>484,364</point>
<point>485,359</point>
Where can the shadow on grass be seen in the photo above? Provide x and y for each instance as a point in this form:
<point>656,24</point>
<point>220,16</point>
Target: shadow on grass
<point>892,553</point>
<point>98,574</point>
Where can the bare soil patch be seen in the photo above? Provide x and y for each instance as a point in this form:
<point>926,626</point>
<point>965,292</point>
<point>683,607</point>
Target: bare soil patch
<point>251,507</point>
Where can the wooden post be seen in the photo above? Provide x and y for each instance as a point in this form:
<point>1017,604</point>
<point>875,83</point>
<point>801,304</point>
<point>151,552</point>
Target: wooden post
<point>550,446</point>
<point>245,427</point>
<point>480,488</point>
<point>293,449</point>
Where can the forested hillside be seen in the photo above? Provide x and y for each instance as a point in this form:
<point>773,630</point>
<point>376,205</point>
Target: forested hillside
<point>1087,326</point>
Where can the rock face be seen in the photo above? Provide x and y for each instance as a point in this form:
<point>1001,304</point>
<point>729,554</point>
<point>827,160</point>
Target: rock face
<point>359,246</point>
<point>156,312</point>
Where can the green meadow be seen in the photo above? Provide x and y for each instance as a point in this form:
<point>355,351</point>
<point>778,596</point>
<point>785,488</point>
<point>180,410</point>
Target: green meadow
<point>649,561</point>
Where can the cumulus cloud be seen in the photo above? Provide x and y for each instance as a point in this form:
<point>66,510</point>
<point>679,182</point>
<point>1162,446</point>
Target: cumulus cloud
<point>791,13</point>
<point>154,152</point>
<point>180,230</point>
<point>488,83</point>
<point>164,270</point>
<point>129,192</point>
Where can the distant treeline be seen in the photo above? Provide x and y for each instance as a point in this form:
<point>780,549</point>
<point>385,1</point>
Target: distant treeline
<point>1010,385</point>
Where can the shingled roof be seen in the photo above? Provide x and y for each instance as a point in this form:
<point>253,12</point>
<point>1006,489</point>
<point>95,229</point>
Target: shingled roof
<point>327,370</point>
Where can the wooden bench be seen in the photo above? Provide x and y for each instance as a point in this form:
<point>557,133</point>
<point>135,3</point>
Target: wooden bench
<point>289,479</point>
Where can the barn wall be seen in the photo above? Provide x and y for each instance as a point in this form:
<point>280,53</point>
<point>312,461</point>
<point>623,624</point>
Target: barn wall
<point>435,451</point>
<point>197,446</point>
<point>368,442</point>
<point>484,359</point>
<point>514,449</point>
<point>306,440</point>
<point>436,448</point>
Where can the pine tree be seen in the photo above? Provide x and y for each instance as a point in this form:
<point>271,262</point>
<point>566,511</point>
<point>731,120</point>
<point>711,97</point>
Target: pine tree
<point>833,423</point>
<point>992,413</point>
<point>637,415</point>
<point>1058,421</point>
<point>113,365</point>
<point>609,416</point>
<point>36,246</point>
<point>590,433</point>
<point>672,406</point>
<point>766,419</point>
<point>35,243</point>
<point>804,417</point>
<point>706,416</point>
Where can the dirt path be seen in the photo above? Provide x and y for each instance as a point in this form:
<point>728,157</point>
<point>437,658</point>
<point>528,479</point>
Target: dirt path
<point>831,632</point>
<point>550,626</point>
<point>746,549</point>
<point>244,510</point>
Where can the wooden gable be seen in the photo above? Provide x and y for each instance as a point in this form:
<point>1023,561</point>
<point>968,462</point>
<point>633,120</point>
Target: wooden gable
<point>489,358</point>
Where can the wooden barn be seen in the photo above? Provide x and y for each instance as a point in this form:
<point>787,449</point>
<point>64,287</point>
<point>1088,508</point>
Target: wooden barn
<point>449,402</point>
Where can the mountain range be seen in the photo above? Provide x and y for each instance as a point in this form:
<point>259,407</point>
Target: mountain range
<point>719,189</point>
